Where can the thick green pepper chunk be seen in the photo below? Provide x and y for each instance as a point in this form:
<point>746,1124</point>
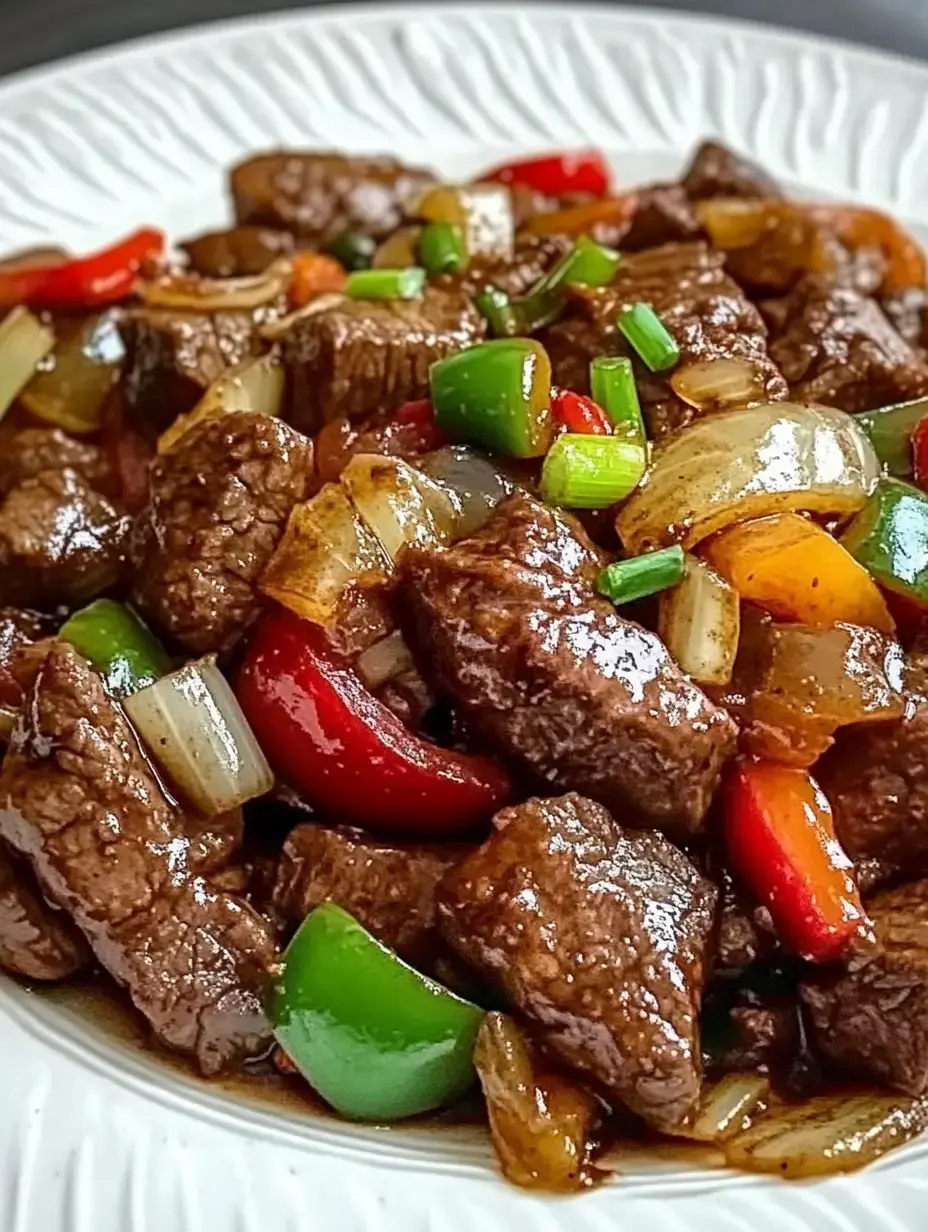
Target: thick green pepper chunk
<point>377,1040</point>
<point>890,430</point>
<point>497,395</point>
<point>119,646</point>
<point>889,537</point>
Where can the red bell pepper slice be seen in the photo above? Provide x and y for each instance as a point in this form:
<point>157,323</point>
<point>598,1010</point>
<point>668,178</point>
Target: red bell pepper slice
<point>579,414</point>
<point>920,454</point>
<point>781,841</point>
<point>349,754</point>
<point>556,175</point>
<point>88,282</point>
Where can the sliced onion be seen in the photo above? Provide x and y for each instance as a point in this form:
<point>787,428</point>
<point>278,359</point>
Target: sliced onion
<point>728,1107</point>
<point>195,730</point>
<point>8,718</point>
<point>326,548</point>
<point>737,222</point>
<point>828,1134</point>
<point>745,464</point>
<point>24,343</point>
<point>399,504</point>
<point>399,250</point>
<point>274,330</point>
<point>482,211</point>
<point>472,482</point>
<point>700,622</point>
<point>719,384</point>
<point>70,389</point>
<point>191,293</point>
<point>255,385</point>
<point>385,660</point>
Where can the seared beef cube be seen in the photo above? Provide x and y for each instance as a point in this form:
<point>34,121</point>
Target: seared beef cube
<point>663,215</point>
<point>507,623</point>
<point>701,306</point>
<point>388,887</point>
<point>534,256</point>
<point>83,805</point>
<point>872,1020</point>
<point>763,1037</point>
<point>237,252</point>
<point>600,938</point>
<point>716,171</point>
<point>908,314</point>
<point>318,195</point>
<point>29,451</point>
<point>37,941</point>
<point>363,356</point>
<point>18,629</point>
<point>836,347</point>
<point>61,543</point>
<point>218,506</point>
<point>745,931</point>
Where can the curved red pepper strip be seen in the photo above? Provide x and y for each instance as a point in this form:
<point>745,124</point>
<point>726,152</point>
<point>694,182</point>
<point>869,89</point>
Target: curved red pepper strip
<point>579,414</point>
<point>88,282</point>
<point>556,175</point>
<point>345,750</point>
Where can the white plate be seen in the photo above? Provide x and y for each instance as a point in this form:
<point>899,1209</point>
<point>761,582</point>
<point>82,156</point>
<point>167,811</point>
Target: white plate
<point>95,1137</point>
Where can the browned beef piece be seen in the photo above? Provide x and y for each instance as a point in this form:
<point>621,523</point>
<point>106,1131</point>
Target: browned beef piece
<point>317,195</point>
<point>534,256</point>
<point>716,171</point>
<point>37,941</point>
<point>765,1037</point>
<point>704,309</point>
<point>871,1021</point>
<point>363,356</point>
<point>17,630</point>
<point>508,624</point>
<point>663,215</point>
<point>743,937</point>
<point>61,543</point>
<point>836,347</point>
<point>908,313</point>
<point>29,451</point>
<point>217,508</point>
<point>82,804</point>
<point>238,251</point>
<point>599,937</point>
<point>389,887</point>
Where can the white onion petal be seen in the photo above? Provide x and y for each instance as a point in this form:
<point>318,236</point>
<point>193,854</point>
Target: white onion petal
<point>385,660</point>
<point>191,293</point>
<point>727,1107</point>
<point>24,343</point>
<point>399,504</point>
<point>700,623</point>
<point>254,385</point>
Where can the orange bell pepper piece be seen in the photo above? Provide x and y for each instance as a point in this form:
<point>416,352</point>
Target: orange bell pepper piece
<point>314,274</point>
<point>859,227</point>
<point>795,570</point>
<point>580,219</point>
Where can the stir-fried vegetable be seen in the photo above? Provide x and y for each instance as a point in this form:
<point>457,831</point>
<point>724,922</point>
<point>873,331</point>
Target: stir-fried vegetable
<point>184,292</point>
<point>483,213</point>
<point>700,622</point>
<point>615,213</point>
<point>579,414</point>
<point>728,1107</point>
<point>24,343</point>
<point>542,1124</point>
<point>889,537</point>
<point>385,660</point>
<point>84,282</point>
<point>314,274</point>
<point>472,483</point>
<point>891,431</point>
<point>347,752</point>
<point>795,570</point>
<point>612,382</point>
<point>780,838</point>
<point>120,647</point>
<point>591,472</point>
<point>859,227</point>
<point>496,395</point>
<point>253,385</point>
<point>920,454</point>
<point>626,580</point>
<point>499,312</point>
<point>353,250</point>
<point>398,503</point>
<point>650,338</point>
<point>405,283</point>
<point>70,387</point>
<point>557,175</point>
<point>398,250</point>
<point>719,384</point>
<point>378,1040</point>
<point>442,249</point>
<point>195,730</point>
<point>745,464</point>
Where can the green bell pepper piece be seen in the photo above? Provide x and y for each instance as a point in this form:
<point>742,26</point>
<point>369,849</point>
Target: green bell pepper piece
<point>119,646</point>
<point>890,430</point>
<point>889,537</point>
<point>375,1038</point>
<point>497,395</point>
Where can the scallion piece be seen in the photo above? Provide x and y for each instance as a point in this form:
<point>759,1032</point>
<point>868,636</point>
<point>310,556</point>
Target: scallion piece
<point>591,472</point>
<point>642,575</point>
<point>386,283</point>
<point>118,645</point>
<point>612,384</point>
<point>648,335</point>
<point>588,264</point>
<point>353,250</point>
<point>496,309</point>
<point>442,249</point>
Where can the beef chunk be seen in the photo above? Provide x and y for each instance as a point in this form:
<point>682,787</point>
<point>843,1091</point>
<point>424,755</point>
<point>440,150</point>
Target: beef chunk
<point>743,937</point>
<point>218,506</point>
<point>907,311</point>
<point>762,1037</point>
<point>37,941</point>
<point>508,624</point>
<point>534,256</point>
<point>663,215</point>
<point>871,1021</point>
<point>61,543</point>
<point>237,252</point>
<point>836,347</point>
<point>716,171</point>
<point>18,629</point>
<point>599,938</point>
<point>389,887</point>
<point>29,451</point>
<point>703,308</point>
<point>362,356</point>
<point>318,195</point>
<point>79,800</point>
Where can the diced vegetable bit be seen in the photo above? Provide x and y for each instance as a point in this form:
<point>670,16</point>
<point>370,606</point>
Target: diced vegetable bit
<point>314,274</point>
<point>498,311</point>
<point>473,484</point>
<point>482,211</point>
<point>399,504</point>
<point>615,212</point>
<point>398,250</point>
<point>889,537</point>
<point>557,175</point>
<point>386,283</point>
<point>891,430</point>
<point>353,250</point>
<point>496,395</point>
<point>718,384</point>
<point>70,388</point>
<point>700,623</point>
<point>375,1038</point>
<point>728,1107</point>
<point>579,414</point>
<point>647,334</point>
<point>24,343</point>
<point>795,570</point>
<point>612,383</point>
<point>384,660</point>
<point>253,385</point>
<point>121,648</point>
<point>442,249</point>
<point>780,838</point>
<point>626,580</point>
<point>591,472</point>
<point>195,730</point>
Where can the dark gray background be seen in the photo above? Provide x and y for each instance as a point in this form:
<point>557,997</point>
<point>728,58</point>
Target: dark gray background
<point>33,31</point>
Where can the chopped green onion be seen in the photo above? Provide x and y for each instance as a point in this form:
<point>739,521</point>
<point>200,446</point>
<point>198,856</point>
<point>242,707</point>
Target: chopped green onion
<point>648,335</point>
<point>386,283</point>
<point>118,645</point>
<point>588,264</point>
<point>591,472</point>
<point>496,308</point>
<point>353,250</point>
<point>442,249</point>
<point>890,430</point>
<point>642,575</point>
<point>612,384</point>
